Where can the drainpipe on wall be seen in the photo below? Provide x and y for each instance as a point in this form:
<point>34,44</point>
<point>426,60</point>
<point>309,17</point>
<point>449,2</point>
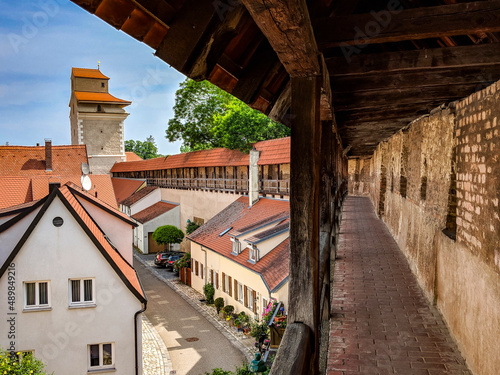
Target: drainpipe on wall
<point>253,183</point>
<point>135,337</point>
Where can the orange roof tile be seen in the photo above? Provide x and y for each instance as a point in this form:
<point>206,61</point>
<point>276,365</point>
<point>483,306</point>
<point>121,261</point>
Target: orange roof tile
<point>20,189</point>
<point>132,156</point>
<point>138,195</point>
<point>111,255</point>
<point>217,157</point>
<point>274,265</point>
<point>274,151</point>
<point>153,211</point>
<point>98,97</point>
<point>88,73</point>
<point>125,187</point>
<point>30,160</point>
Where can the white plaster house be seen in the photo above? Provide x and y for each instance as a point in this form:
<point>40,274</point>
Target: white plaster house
<point>243,251</point>
<point>140,200</point>
<point>68,288</point>
<point>160,213</point>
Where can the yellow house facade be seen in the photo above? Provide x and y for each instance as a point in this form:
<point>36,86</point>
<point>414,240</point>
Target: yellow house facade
<point>243,252</point>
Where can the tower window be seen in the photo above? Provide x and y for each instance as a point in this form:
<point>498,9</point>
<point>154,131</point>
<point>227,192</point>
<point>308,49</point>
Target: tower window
<point>102,84</point>
<point>99,108</point>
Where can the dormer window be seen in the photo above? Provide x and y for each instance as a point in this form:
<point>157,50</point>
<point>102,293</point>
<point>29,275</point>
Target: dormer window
<point>253,254</point>
<point>236,247</point>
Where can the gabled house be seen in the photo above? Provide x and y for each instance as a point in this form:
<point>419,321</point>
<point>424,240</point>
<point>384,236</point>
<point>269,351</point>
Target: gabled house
<point>152,217</point>
<point>243,252</point>
<point>69,290</point>
<point>140,200</point>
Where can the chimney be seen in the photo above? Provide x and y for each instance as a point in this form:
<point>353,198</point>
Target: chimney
<point>48,155</point>
<point>253,183</point>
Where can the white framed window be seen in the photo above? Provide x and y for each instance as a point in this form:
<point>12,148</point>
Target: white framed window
<point>226,284</point>
<point>101,356</point>
<point>241,293</point>
<point>253,254</point>
<point>81,292</point>
<point>236,247</point>
<point>250,298</point>
<point>37,295</point>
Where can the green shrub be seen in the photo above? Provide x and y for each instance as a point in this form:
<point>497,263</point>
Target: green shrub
<point>209,291</point>
<point>243,370</point>
<point>28,365</point>
<point>228,309</point>
<point>167,234</point>
<point>219,371</point>
<point>219,304</point>
<point>184,262</point>
<point>191,227</point>
<point>258,329</point>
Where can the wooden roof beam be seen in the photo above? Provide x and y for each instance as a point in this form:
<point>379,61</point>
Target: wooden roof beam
<point>395,24</point>
<point>452,57</point>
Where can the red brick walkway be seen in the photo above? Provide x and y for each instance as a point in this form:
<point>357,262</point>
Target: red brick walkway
<point>382,323</point>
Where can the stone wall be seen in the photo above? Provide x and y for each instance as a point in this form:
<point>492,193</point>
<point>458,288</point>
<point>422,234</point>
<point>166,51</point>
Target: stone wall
<point>436,184</point>
<point>359,176</point>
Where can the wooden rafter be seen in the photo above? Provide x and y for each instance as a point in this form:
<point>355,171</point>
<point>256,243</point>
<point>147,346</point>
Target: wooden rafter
<point>452,57</point>
<point>398,24</point>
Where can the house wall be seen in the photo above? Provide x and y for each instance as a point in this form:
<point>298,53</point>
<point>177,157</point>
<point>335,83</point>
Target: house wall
<point>119,232</point>
<point>171,217</point>
<point>58,254</point>
<point>443,173</point>
<point>154,197</point>
<point>203,204</point>
<point>10,237</point>
<point>220,264</point>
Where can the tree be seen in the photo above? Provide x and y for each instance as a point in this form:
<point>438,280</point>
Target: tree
<point>207,117</point>
<point>26,365</point>
<point>168,234</point>
<point>146,149</point>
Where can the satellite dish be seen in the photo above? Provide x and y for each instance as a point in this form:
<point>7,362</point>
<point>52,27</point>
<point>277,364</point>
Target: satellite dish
<point>86,183</point>
<point>85,168</point>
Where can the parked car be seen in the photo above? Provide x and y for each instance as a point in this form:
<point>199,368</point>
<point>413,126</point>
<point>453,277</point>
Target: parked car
<point>161,259</point>
<point>172,259</point>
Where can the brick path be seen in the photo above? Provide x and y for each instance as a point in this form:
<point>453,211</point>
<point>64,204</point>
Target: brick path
<point>382,323</point>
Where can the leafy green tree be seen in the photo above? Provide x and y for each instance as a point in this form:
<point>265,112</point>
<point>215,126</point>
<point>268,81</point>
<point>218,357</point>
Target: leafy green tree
<point>207,117</point>
<point>26,365</point>
<point>191,226</point>
<point>146,149</point>
<point>209,291</point>
<point>168,234</point>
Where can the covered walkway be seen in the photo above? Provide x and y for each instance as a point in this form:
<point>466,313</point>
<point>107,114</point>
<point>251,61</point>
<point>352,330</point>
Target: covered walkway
<point>381,322</point>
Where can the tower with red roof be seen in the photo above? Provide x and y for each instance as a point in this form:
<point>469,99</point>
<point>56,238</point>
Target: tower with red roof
<point>97,119</point>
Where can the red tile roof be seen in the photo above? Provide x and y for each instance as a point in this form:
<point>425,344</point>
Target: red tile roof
<point>88,73</point>
<point>30,160</point>
<point>18,207</point>
<point>111,255</point>
<point>138,195</point>
<point>98,97</point>
<point>274,265</point>
<point>132,156</point>
<point>217,157</point>
<point>153,211</point>
<point>274,151</point>
<point>125,187</point>
<point>22,189</point>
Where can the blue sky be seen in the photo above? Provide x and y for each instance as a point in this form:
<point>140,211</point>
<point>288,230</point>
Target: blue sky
<point>41,40</point>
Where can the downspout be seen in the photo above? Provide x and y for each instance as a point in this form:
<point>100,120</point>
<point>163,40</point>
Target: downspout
<point>135,337</point>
